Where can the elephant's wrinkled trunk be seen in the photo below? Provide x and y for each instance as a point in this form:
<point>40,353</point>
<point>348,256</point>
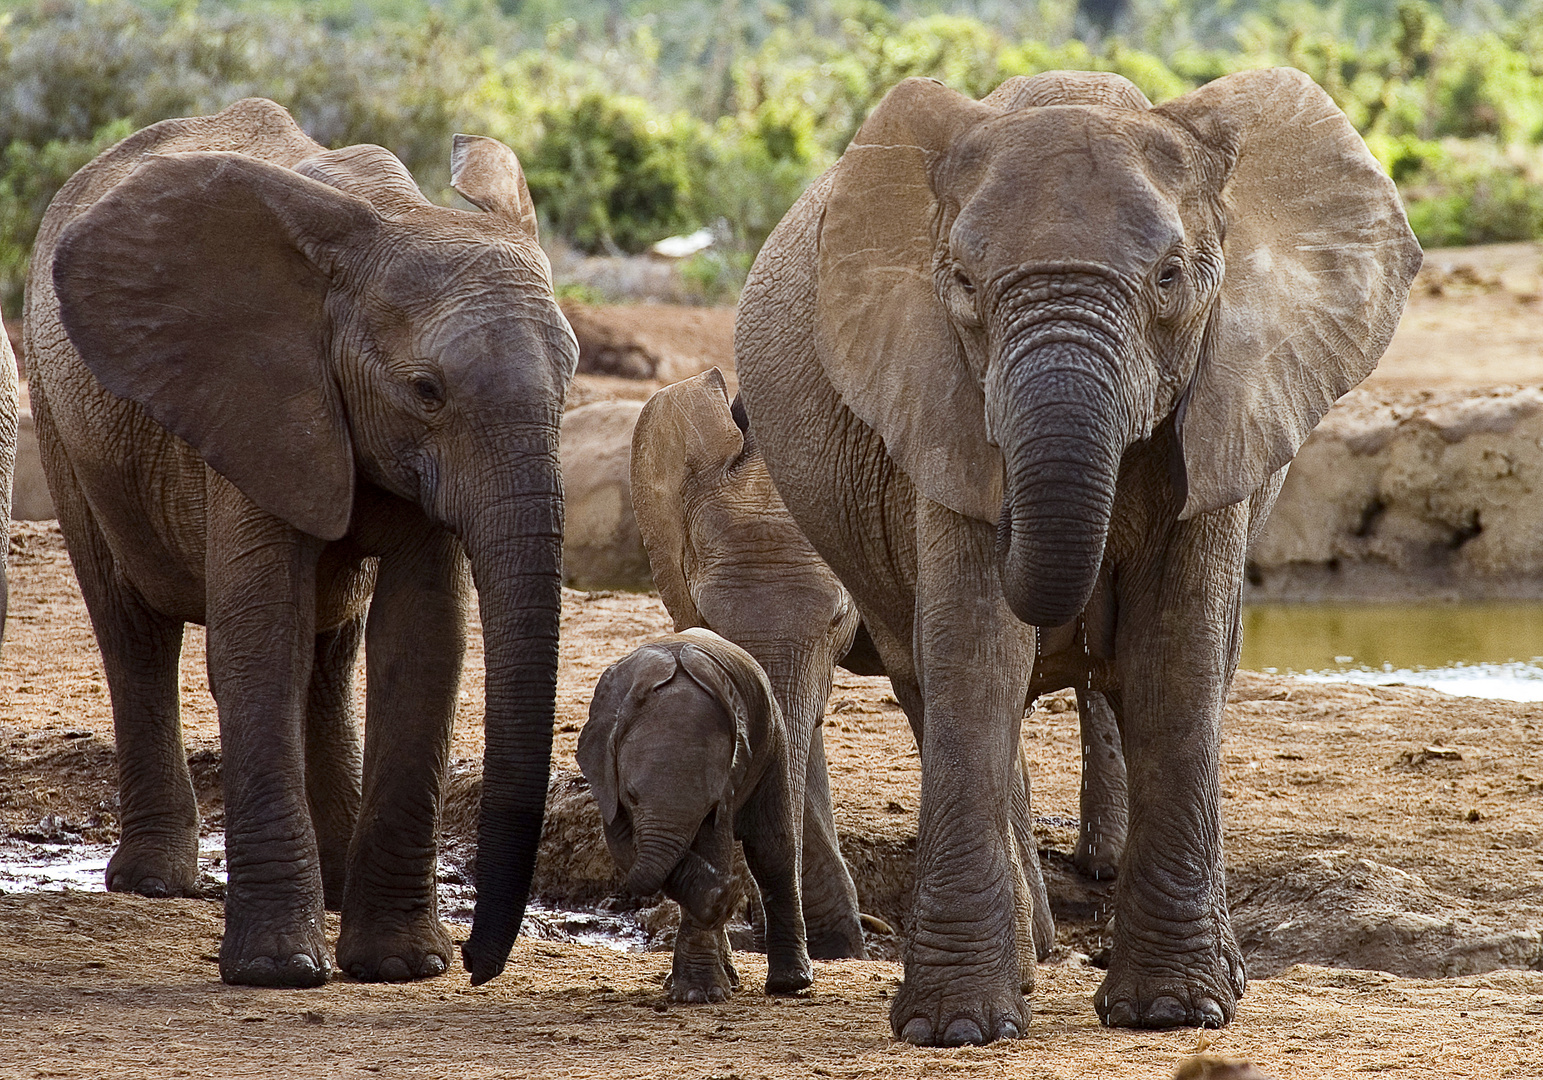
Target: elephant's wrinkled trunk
<point>658,852</point>
<point>515,547</point>
<point>1062,429</point>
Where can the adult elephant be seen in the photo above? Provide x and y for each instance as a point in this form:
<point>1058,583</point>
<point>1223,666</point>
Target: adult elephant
<point>280,394</point>
<point>1028,372</point>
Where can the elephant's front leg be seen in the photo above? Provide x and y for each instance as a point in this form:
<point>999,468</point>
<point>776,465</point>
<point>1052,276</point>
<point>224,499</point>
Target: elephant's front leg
<point>831,917</point>
<point>963,976</point>
<point>261,611</point>
<point>414,644</point>
<point>1174,961</point>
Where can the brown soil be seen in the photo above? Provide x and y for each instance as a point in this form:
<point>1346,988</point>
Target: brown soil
<point>1391,827</point>
<point>1475,318</point>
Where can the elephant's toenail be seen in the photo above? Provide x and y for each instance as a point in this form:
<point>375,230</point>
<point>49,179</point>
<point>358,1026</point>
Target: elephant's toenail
<point>1211,1014</point>
<point>152,887</point>
<point>1121,1014</point>
<point>695,997</point>
<point>917,1032</point>
<point>301,964</point>
<point>1008,1029</point>
<point>432,966</point>
<point>394,969</point>
<point>1166,1012</point>
<point>963,1032</point>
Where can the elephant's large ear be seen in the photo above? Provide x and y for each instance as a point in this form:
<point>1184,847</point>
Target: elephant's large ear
<point>487,173</point>
<point>1319,259</point>
<point>883,337</point>
<point>712,666</point>
<point>596,754</point>
<point>618,694</point>
<point>685,430</point>
<point>196,288</point>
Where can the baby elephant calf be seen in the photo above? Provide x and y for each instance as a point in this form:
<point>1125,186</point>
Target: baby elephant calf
<point>686,751</point>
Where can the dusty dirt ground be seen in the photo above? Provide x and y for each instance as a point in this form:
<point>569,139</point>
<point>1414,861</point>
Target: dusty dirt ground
<point>1388,827</point>
<point>1365,827</point>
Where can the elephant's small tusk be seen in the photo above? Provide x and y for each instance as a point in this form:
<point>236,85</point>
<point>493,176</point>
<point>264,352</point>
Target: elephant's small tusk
<point>876,924</point>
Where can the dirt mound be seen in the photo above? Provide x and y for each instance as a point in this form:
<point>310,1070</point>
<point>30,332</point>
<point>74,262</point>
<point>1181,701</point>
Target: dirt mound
<point>1335,909</point>
<point>666,342</point>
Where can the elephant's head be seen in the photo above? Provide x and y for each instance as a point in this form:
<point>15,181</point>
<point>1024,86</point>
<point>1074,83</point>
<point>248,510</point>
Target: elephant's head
<point>664,750</point>
<point>1012,292</point>
<point>724,550</point>
<point>315,329</point>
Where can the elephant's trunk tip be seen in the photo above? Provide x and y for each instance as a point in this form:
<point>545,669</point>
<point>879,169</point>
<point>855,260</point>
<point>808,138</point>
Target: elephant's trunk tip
<point>483,966</point>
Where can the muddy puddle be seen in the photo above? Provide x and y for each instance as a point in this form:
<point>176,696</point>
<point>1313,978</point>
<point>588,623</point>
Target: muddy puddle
<point>1492,650</point>
<point>57,860</point>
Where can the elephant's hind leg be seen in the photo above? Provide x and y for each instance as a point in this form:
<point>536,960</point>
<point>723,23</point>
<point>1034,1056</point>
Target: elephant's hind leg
<point>415,640</point>
<point>333,754</point>
<point>157,852</point>
<point>1103,799</point>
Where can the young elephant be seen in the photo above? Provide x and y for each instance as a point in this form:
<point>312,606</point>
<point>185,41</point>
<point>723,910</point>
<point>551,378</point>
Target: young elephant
<point>727,556</point>
<point>687,752</point>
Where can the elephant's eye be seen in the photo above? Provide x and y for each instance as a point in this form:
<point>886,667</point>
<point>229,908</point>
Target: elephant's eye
<point>430,394</point>
<point>1169,277</point>
<point>964,282</point>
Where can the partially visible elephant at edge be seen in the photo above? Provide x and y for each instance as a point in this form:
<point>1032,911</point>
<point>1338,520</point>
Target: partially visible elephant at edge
<point>601,545</point>
<point>281,394</point>
<point>1028,372</point>
<point>10,406</point>
<point>686,751</point>
<point>727,556</point>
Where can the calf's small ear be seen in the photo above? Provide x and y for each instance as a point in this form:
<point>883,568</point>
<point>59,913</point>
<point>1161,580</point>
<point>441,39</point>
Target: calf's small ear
<point>488,175</point>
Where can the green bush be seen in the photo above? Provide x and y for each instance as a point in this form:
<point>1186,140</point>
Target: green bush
<point>636,119</point>
<point>1471,191</point>
<point>608,173</point>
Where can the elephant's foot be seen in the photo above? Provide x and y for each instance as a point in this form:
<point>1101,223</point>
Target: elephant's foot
<point>252,956</point>
<point>702,981</point>
<point>389,949</point>
<point>161,866</point>
<point>958,1005</point>
<point>842,941</point>
<point>1196,986</point>
<point>789,974</point>
<point>1097,856</point>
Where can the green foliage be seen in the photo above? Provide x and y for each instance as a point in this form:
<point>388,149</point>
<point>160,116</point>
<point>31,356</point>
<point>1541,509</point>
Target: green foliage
<point>608,173</point>
<point>636,119</point>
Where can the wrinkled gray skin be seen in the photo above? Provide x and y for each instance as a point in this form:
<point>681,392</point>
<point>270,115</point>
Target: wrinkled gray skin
<point>9,410</point>
<point>686,752</point>
<point>720,540</point>
<point>1027,373</point>
<point>727,556</point>
<point>280,394</point>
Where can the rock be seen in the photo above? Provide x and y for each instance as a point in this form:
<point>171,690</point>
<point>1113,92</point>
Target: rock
<point>601,545</point>
<point>667,342</point>
<point>1430,496</point>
